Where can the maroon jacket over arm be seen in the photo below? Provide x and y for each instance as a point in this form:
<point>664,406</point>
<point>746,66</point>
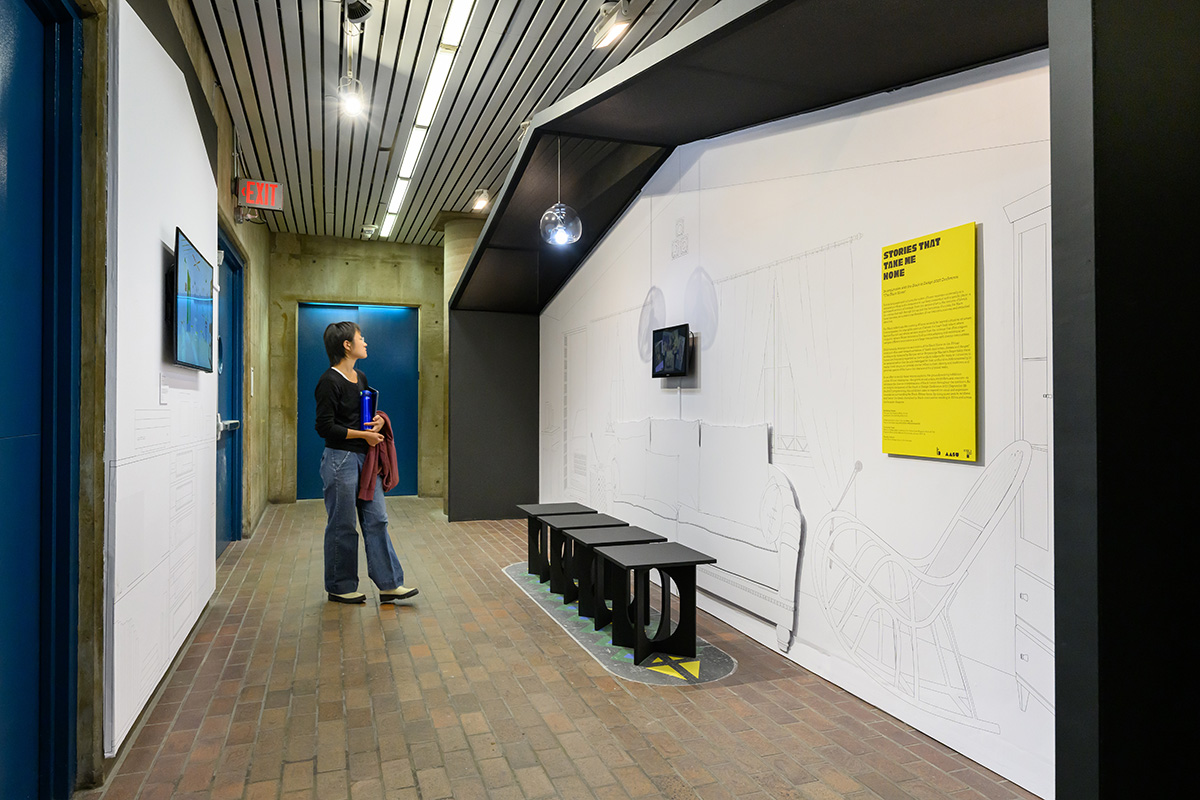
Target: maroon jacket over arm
<point>381,460</point>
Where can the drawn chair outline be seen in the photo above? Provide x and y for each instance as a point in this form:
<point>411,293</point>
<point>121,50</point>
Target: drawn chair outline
<point>865,586</point>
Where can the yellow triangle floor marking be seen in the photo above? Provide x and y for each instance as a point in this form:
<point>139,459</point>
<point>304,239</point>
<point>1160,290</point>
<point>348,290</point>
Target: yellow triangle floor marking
<point>666,670</point>
<point>692,667</point>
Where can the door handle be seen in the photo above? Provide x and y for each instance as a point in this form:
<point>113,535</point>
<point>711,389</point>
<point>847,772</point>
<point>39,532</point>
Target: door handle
<point>227,424</point>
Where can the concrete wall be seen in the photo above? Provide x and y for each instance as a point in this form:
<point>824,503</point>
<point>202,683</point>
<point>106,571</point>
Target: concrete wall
<point>331,270</point>
<point>461,232</point>
<point>255,244</point>
<point>89,720</point>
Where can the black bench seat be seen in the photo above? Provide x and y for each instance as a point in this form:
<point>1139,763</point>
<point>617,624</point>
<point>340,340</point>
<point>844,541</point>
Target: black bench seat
<point>538,564</point>
<point>582,563</point>
<point>629,615</point>
<point>558,554</point>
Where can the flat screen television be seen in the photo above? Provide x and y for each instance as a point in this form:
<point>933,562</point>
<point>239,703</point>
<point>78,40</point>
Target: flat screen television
<point>191,318</point>
<point>670,351</point>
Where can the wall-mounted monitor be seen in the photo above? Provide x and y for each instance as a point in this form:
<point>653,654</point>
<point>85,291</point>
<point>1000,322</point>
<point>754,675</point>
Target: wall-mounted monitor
<point>190,318</point>
<point>669,352</point>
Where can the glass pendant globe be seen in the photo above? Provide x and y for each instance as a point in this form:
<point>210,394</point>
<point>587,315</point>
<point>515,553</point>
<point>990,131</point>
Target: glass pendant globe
<point>561,225</point>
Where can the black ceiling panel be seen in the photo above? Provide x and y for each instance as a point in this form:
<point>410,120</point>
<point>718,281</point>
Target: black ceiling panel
<point>741,63</point>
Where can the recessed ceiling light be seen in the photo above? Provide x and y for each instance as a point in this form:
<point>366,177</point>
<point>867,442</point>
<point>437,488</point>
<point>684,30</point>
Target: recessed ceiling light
<point>480,201</point>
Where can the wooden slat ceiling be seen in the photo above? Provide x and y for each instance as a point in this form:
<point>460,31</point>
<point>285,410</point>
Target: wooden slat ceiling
<point>279,61</point>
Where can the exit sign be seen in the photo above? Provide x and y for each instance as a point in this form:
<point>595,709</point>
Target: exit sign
<point>260,194</point>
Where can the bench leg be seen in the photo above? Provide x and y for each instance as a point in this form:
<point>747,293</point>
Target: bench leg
<point>605,587</point>
<point>641,600</point>
<point>570,570</point>
<point>623,608</point>
<point>681,642</point>
<point>535,551</point>
<point>558,543</point>
<point>544,564</point>
<point>584,559</point>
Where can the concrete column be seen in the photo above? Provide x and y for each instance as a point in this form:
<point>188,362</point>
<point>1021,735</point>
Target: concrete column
<point>461,232</point>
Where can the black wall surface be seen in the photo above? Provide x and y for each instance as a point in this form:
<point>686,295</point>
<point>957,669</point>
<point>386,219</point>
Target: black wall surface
<point>493,414</point>
<point>1125,165</point>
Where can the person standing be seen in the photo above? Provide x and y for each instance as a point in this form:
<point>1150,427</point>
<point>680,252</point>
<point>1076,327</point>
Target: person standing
<point>347,441</point>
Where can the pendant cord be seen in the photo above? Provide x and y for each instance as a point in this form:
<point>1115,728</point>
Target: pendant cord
<point>559,140</point>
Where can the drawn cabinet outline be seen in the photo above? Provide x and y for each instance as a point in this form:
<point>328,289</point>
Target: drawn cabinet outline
<point>1034,541</point>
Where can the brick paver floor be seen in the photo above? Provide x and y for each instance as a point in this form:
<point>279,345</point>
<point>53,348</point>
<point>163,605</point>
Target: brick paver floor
<point>472,691</point>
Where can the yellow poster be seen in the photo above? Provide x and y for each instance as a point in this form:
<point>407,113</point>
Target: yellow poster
<point>929,346</point>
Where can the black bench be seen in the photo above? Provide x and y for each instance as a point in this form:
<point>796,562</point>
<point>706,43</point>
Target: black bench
<point>629,615</point>
<point>582,564</point>
<point>559,553</point>
<point>538,564</point>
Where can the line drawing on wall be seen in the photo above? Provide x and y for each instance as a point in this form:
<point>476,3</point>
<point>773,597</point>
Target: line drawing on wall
<point>782,410</point>
<point>574,404</point>
<point>1033,631</point>
<point>729,489</point>
<point>891,611</point>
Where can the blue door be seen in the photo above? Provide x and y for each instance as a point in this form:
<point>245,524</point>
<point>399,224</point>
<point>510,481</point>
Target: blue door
<point>229,398</point>
<point>21,275</point>
<point>391,366</point>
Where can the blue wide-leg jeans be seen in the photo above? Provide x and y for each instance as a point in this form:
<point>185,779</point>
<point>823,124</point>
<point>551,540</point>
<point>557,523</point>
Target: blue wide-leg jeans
<point>340,470</point>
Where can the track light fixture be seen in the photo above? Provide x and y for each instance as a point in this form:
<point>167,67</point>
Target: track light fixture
<point>350,89</point>
<point>615,19</point>
<point>560,224</point>
<point>358,10</point>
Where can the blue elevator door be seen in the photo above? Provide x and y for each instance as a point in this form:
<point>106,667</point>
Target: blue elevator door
<point>21,178</point>
<point>391,366</point>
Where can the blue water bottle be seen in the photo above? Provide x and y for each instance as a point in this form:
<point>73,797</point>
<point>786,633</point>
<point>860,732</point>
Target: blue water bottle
<point>369,401</point>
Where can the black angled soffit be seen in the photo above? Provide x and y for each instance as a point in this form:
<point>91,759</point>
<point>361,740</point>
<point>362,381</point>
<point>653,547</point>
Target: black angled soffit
<point>740,64</point>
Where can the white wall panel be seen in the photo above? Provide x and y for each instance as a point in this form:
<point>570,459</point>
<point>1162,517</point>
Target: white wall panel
<point>768,243</point>
<point>161,452</point>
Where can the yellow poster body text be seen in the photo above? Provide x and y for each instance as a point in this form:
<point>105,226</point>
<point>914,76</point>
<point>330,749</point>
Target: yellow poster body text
<point>929,380</point>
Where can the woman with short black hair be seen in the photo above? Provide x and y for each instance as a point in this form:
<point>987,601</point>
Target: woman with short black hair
<point>347,441</point>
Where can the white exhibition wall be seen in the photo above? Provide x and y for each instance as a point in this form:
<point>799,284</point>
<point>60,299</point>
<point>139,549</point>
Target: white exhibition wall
<point>161,452</point>
<point>922,586</point>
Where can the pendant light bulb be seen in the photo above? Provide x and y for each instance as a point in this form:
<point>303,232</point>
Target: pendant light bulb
<point>560,225</point>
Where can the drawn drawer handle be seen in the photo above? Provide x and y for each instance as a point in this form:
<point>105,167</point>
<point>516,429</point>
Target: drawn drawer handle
<point>1023,596</point>
<point>1024,656</point>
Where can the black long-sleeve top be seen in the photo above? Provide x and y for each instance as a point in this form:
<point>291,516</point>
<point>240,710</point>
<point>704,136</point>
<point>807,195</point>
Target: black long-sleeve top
<point>339,409</point>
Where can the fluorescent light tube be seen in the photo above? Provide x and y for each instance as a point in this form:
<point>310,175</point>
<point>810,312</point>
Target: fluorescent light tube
<point>389,222</point>
<point>456,22</point>
<point>397,196</point>
<point>434,86</point>
<point>412,152</point>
